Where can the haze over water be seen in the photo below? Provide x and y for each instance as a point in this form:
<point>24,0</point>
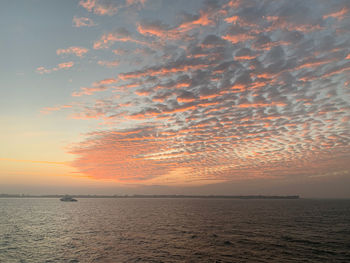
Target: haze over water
<point>174,230</point>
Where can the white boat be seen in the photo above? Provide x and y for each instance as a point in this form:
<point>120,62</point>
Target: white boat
<point>68,198</point>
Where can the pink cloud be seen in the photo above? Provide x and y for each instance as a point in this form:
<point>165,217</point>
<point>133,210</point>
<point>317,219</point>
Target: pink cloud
<point>43,70</point>
<point>86,115</point>
<point>163,71</point>
<point>164,32</point>
<point>340,15</point>
<point>105,82</point>
<point>221,111</point>
<point>82,21</point>
<point>48,110</point>
<point>88,91</point>
<point>154,29</point>
<point>109,39</point>
<point>78,51</point>
<point>64,65</point>
<point>117,157</point>
<point>100,7</point>
<point>88,4</point>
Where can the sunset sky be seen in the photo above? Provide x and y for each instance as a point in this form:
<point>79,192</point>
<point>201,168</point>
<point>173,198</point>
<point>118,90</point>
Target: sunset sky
<point>151,96</point>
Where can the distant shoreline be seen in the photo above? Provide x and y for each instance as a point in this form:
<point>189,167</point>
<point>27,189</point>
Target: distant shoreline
<point>158,196</point>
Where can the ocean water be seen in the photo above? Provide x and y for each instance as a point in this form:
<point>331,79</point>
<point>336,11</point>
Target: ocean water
<point>174,230</point>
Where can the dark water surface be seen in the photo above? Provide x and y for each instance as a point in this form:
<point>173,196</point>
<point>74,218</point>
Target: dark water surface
<point>174,230</point>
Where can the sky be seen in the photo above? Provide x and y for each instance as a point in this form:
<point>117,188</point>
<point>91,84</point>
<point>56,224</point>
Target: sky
<point>175,97</point>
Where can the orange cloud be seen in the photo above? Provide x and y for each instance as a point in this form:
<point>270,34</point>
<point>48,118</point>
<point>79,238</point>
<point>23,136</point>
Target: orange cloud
<point>154,30</point>
<point>185,100</point>
<point>180,85</point>
<point>202,20</point>
<point>335,71</point>
<point>110,38</point>
<point>234,39</point>
<point>242,58</point>
<point>238,88</point>
<point>210,96</point>
<point>340,15</point>
<point>142,92</point>
<point>258,105</point>
<point>314,64</point>
<point>119,160</point>
<point>232,19</point>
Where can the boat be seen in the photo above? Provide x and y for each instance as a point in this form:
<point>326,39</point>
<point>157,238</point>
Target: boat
<point>68,198</point>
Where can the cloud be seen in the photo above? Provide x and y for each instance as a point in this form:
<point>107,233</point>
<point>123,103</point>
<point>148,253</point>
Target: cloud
<point>246,89</point>
<point>108,64</point>
<point>83,21</point>
<point>126,162</point>
<point>136,2</point>
<point>98,86</point>
<point>237,34</point>
<point>340,15</point>
<point>88,91</point>
<point>43,70</point>
<point>100,7</point>
<point>78,51</point>
<point>190,22</point>
<point>120,35</point>
<point>156,28</point>
<point>64,65</point>
<point>48,110</point>
<point>105,82</point>
<point>119,51</point>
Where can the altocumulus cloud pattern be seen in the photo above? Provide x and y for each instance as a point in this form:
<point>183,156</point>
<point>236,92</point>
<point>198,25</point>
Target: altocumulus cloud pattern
<point>231,89</point>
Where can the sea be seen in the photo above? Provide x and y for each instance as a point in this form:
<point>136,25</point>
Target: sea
<point>174,230</point>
